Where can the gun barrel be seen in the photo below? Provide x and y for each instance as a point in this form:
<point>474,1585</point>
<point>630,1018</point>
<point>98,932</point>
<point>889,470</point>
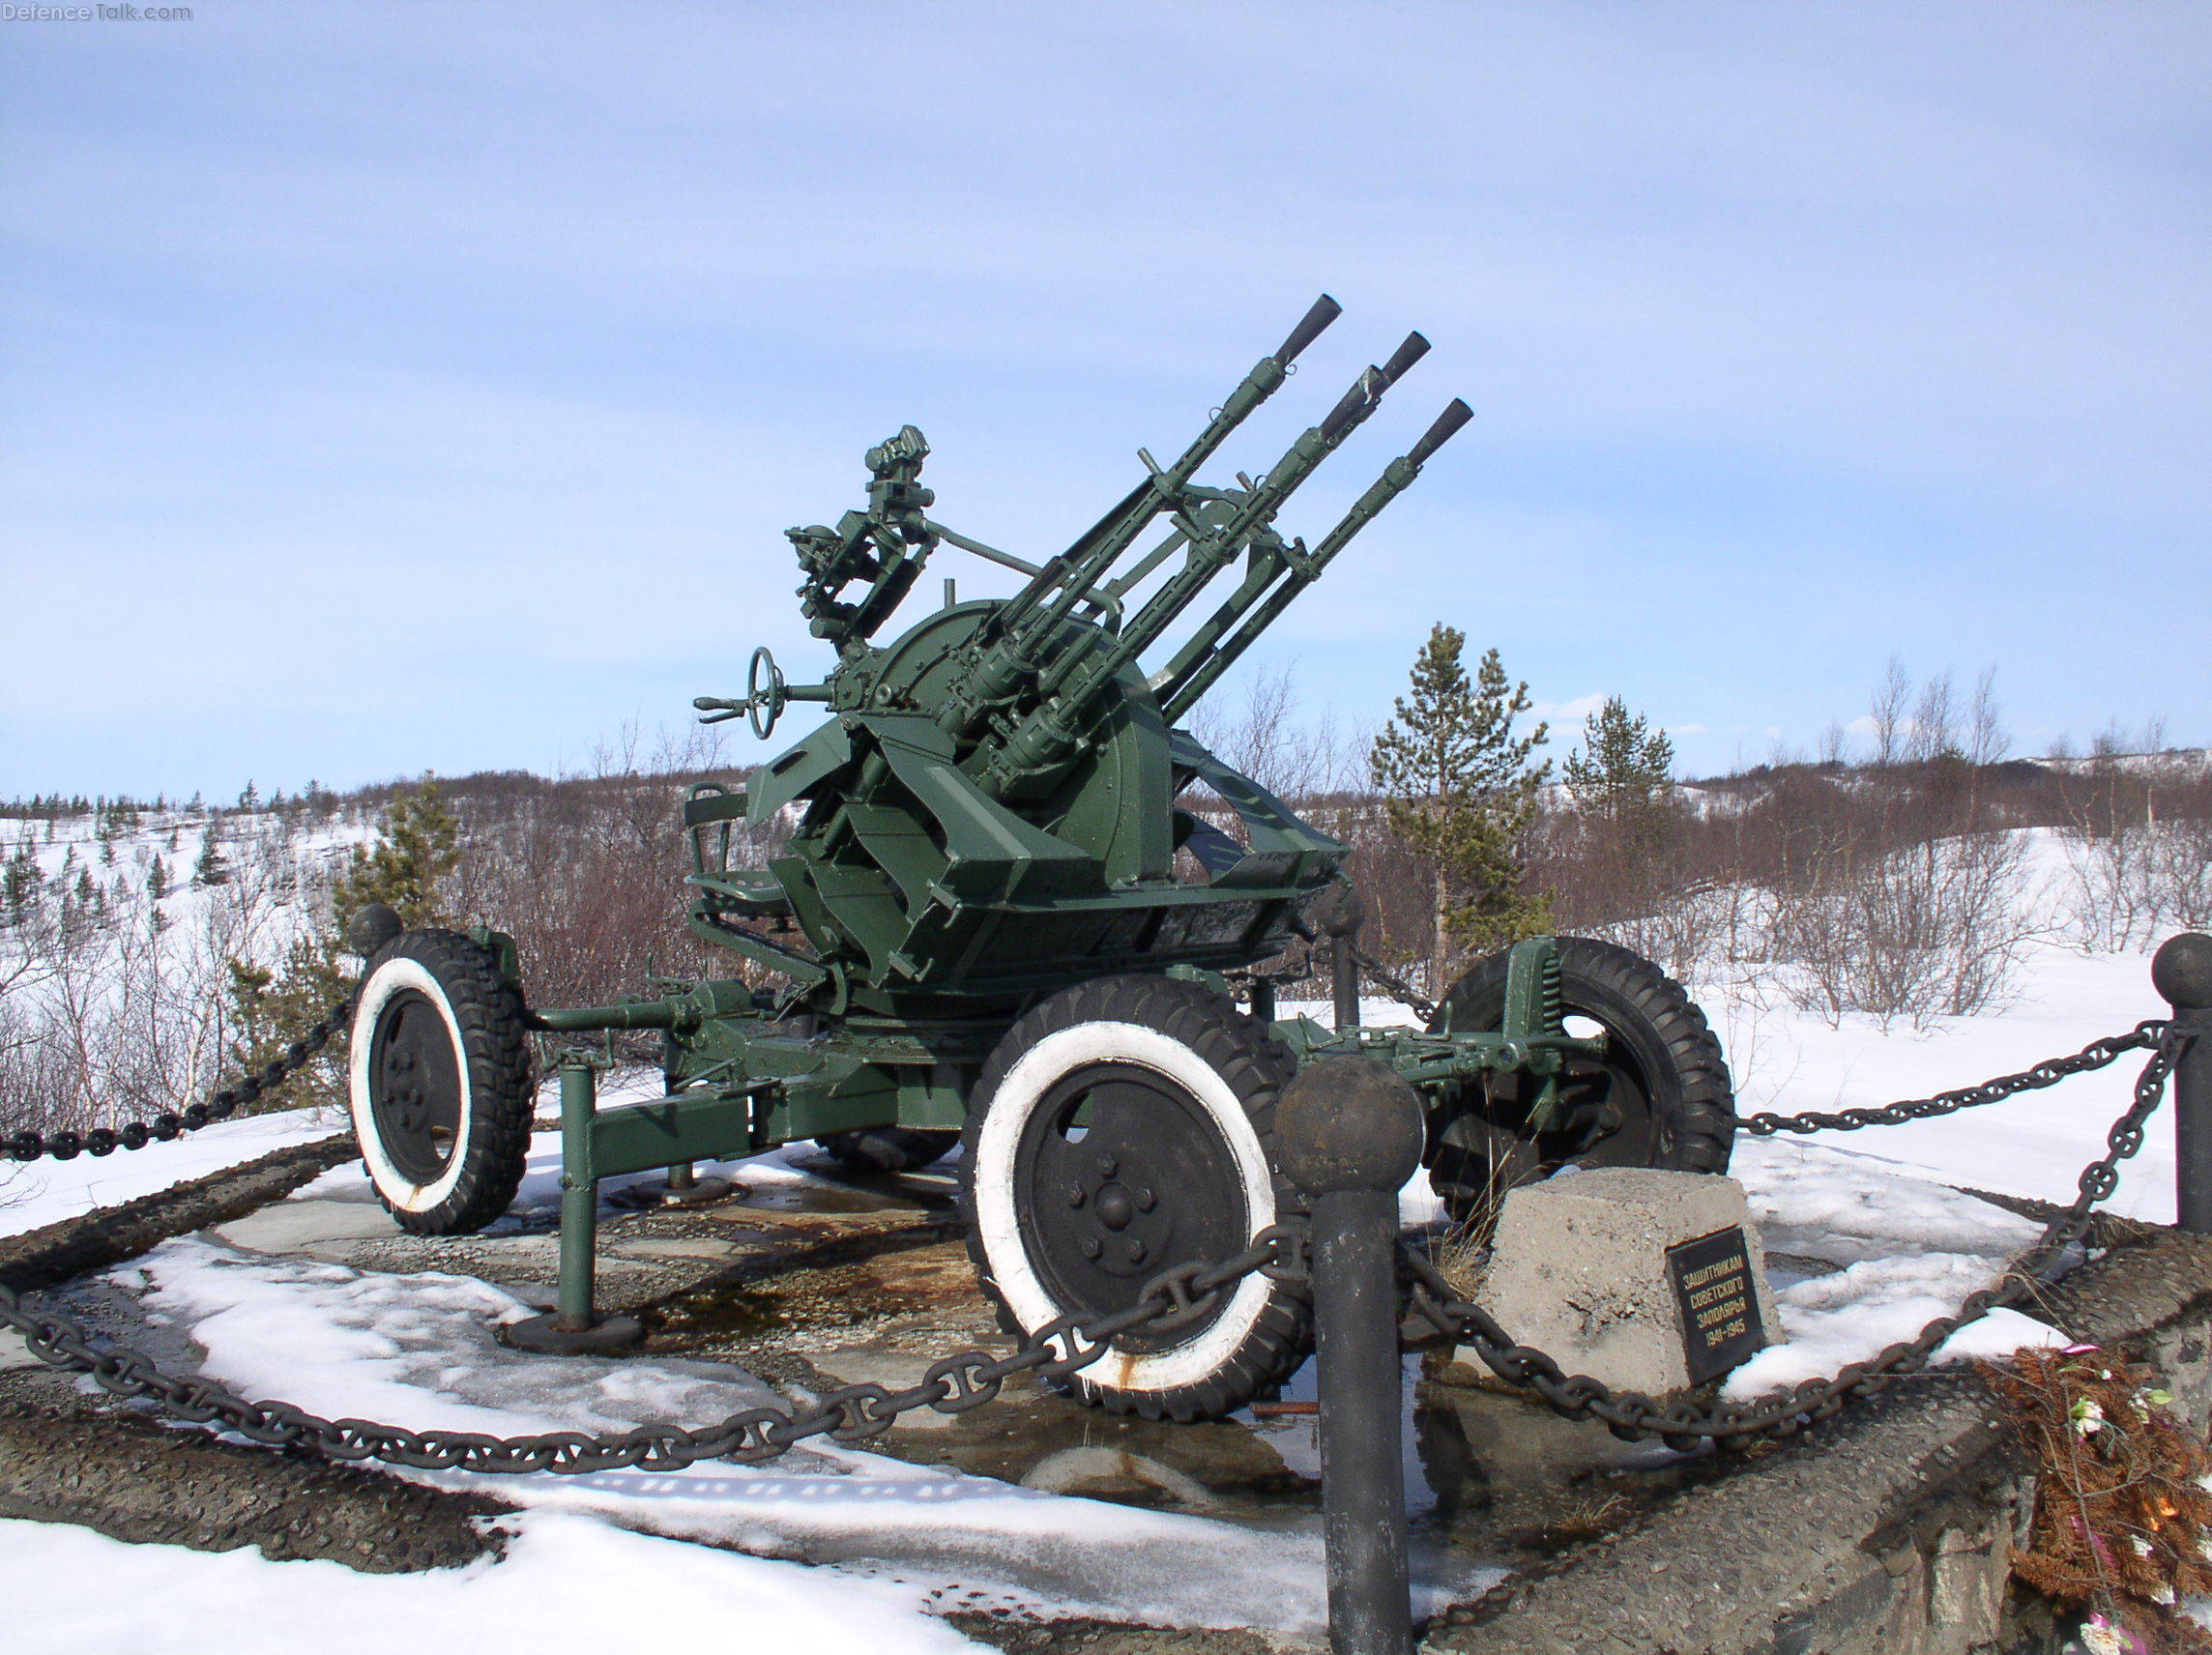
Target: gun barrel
<point>1212,547</point>
<point>1367,391</point>
<point>1196,669</point>
<point>1446,427</point>
<point>1310,328</point>
<point>1083,564</point>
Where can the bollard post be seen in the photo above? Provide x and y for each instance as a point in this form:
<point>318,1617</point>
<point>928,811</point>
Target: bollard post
<point>2182,973</point>
<point>1349,1133</point>
<point>1340,913</point>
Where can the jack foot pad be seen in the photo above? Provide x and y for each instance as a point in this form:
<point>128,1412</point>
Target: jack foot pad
<point>700,1192</point>
<point>607,1336</point>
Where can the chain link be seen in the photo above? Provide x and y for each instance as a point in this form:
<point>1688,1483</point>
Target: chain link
<point>1631,1415</point>
<point>28,1145</point>
<point>952,1384</point>
<point>2097,1054</point>
<point>970,1378</point>
<point>1396,987</point>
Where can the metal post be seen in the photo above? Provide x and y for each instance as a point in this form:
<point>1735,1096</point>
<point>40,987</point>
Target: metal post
<point>1349,1133</point>
<point>2182,973</point>
<point>576,1327</point>
<point>1340,914</point>
<point>579,1197</point>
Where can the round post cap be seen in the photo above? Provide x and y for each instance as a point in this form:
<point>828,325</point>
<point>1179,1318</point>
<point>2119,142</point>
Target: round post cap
<point>1338,910</point>
<point>371,928</point>
<point>2182,970</point>
<point>1349,1124</point>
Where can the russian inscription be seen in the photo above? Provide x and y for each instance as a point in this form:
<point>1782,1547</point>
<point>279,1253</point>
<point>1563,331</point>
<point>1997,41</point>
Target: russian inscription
<point>1721,1325</point>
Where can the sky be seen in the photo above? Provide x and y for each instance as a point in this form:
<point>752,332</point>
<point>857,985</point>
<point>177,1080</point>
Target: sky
<point>399,388</point>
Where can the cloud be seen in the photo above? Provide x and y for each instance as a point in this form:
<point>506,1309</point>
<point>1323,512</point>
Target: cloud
<point>1568,712</point>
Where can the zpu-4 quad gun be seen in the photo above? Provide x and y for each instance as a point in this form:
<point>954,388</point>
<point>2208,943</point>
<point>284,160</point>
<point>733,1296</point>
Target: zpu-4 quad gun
<point>979,929</point>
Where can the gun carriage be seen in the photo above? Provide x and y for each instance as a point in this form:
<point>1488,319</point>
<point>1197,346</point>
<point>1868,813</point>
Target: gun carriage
<point>980,935</point>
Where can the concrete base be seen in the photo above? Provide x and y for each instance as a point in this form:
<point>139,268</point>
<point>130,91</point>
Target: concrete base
<point>1578,1269</point>
<point>544,1336</point>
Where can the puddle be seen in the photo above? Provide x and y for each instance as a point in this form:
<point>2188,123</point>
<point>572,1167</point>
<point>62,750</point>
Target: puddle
<point>716,1313</point>
<point>838,1200</point>
<point>1487,1476</point>
<point>880,1285</point>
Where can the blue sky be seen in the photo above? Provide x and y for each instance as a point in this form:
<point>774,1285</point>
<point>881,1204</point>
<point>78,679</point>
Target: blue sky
<point>403,387</point>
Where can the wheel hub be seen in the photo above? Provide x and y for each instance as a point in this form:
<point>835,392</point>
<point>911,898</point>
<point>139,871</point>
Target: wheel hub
<point>414,1086</point>
<point>1122,1174</point>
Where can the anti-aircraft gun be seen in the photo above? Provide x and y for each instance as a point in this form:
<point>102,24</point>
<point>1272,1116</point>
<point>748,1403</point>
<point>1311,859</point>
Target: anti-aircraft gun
<point>983,925</point>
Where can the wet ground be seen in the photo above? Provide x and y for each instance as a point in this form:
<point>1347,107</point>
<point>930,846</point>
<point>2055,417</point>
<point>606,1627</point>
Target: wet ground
<point>844,1279</point>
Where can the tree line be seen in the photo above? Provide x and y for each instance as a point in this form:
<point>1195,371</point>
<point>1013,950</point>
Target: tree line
<point>164,945</point>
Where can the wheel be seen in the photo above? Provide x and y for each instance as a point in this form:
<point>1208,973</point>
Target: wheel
<point>439,1079</point>
<point>1121,1128</point>
<point>890,1148</point>
<point>1660,1097</point>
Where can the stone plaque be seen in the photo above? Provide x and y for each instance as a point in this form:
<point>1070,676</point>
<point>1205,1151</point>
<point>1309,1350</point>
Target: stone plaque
<point>1714,1284</point>
<point>1592,1266</point>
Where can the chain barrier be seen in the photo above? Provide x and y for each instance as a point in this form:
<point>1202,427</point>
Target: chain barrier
<point>28,1145</point>
<point>1396,987</point>
<point>952,1384</point>
<point>970,1378</point>
<point>1631,1415</point>
<point>2096,1055</point>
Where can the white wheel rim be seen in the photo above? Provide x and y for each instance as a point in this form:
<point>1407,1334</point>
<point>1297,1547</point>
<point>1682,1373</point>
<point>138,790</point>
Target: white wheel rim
<point>384,984</point>
<point>998,1221</point>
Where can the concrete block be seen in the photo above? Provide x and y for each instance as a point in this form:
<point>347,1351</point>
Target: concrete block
<point>293,1225</point>
<point>1578,1269</point>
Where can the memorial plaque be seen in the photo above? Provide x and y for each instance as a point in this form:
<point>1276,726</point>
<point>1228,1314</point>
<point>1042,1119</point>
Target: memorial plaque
<point>1721,1326</point>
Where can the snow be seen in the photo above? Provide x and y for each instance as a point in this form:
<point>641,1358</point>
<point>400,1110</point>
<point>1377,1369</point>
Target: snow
<point>564,1583</point>
<point>1879,1229</point>
<point>2034,1144</point>
<point>419,1351</point>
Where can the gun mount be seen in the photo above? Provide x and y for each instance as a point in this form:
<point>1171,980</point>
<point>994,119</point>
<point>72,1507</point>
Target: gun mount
<point>985,929</point>
<point>989,813</point>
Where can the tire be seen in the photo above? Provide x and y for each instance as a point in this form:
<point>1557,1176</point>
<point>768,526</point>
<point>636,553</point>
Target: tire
<point>890,1148</point>
<point>1135,1116</point>
<point>439,1079</point>
<point>1660,1097</point>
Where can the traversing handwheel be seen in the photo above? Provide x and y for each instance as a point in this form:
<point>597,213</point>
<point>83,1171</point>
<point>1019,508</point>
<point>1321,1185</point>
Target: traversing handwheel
<point>439,1079</point>
<point>764,699</point>
<point>1121,1128</point>
<point>1660,1097</point>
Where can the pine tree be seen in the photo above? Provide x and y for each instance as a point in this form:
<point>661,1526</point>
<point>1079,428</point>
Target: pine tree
<point>417,849</point>
<point>409,869</point>
<point>156,878</point>
<point>1460,790</point>
<point>213,868</point>
<point>1624,771</point>
<point>22,886</point>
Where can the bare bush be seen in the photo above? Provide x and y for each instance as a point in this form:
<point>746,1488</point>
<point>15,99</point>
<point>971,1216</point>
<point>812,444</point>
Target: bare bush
<point>2138,848</point>
<point>113,1008</point>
